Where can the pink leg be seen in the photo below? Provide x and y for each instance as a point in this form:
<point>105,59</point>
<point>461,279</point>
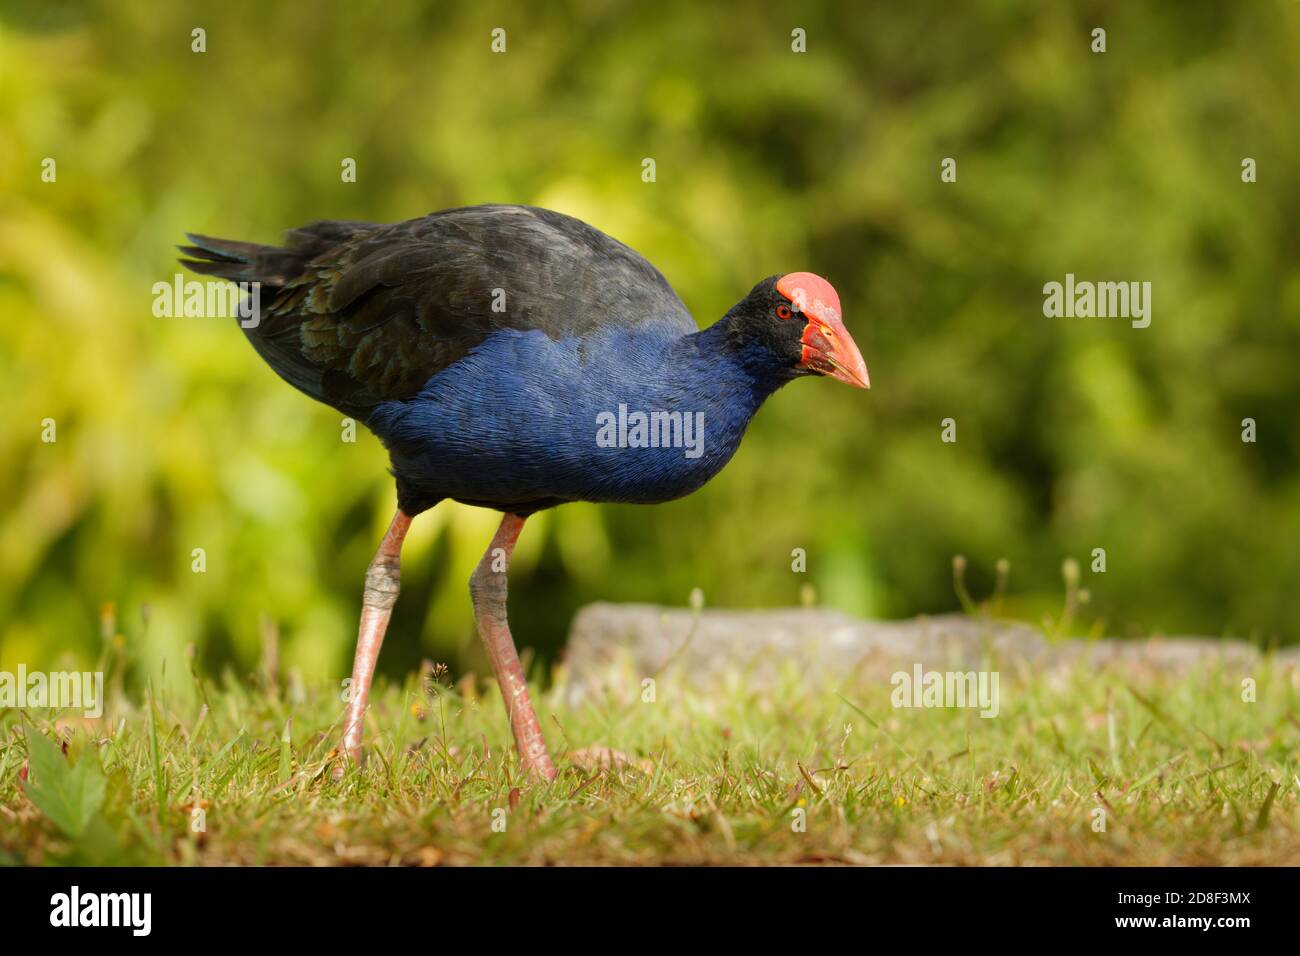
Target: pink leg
<point>487,587</point>
<point>383,581</point>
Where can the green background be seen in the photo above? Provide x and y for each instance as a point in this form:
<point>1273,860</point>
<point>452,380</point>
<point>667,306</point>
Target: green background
<point>1072,434</point>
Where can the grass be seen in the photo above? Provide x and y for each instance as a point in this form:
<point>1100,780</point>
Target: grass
<point>1181,771</point>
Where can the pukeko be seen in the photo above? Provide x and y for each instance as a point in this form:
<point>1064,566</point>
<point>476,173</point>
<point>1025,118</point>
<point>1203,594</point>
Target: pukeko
<point>515,358</point>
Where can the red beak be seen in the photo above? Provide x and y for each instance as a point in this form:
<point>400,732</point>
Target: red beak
<point>828,349</point>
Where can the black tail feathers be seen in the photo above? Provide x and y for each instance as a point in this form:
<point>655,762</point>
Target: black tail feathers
<point>270,265</point>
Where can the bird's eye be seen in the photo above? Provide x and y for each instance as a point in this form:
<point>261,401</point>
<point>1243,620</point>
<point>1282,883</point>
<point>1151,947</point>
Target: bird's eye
<point>783,312</point>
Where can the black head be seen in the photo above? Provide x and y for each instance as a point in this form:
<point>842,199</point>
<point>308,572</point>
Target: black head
<point>790,325</point>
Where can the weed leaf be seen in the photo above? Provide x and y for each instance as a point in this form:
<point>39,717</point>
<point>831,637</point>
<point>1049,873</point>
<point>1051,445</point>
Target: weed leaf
<point>70,795</point>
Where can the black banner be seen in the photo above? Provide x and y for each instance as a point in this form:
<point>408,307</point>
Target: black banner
<point>231,905</point>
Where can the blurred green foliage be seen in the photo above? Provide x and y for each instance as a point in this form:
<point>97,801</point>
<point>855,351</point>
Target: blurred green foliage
<point>1072,434</point>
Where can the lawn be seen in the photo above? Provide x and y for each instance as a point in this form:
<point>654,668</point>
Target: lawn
<point>1097,767</point>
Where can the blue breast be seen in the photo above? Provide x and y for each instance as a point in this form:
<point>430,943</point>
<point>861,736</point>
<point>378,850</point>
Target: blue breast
<point>525,421</point>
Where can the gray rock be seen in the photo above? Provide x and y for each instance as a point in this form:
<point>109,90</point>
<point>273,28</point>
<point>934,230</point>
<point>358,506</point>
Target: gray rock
<point>615,646</point>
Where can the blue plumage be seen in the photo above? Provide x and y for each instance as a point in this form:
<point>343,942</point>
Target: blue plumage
<point>517,423</point>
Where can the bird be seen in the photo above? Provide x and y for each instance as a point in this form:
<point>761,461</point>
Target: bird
<point>515,358</point>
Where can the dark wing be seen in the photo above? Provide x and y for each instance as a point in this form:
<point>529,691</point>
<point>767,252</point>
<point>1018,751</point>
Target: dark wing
<point>355,314</point>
